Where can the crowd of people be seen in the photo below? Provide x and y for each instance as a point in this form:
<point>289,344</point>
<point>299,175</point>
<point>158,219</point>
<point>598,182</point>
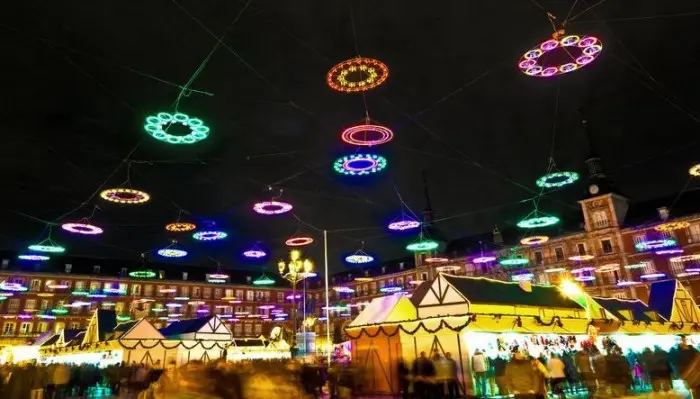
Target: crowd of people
<point>587,371</point>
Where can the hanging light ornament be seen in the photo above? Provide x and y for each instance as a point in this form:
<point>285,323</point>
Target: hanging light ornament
<point>578,50</point>
<point>557,179</point>
<point>685,258</point>
<point>264,280</point>
<point>158,125</point>
<point>359,257</point>
<point>170,252</point>
<point>178,227</point>
<point>537,219</point>
<point>255,253</point>
<point>534,240</point>
<point>581,258</point>
<point>36,257</point>
<point>209,235</point>
<point>142,274</point>
<point>484,259</point>
<point>272,207</point>
<point>439,259</point>
<point>695,170</point>
<point>513,260</point>
<point>125,196</point>
<point>299,241</point>
<point>655,244</point>
<point>422,245</point>
<point>671,226</point>
<point>359,164</point>
<point>357,75</point>
<point>47,245</point>
<point>82,228</point>
<point>404,223</point>
<point>669,251</point>
<point>367,135</point>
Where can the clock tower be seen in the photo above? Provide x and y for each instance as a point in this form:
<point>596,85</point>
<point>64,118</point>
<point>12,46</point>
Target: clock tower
<point>603,207</point>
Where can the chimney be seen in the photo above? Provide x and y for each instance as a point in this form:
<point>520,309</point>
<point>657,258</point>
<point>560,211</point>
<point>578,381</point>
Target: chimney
<point>664,213</point>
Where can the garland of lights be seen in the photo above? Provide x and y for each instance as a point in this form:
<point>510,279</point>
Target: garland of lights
<point>587,49</point>
<point>372,73</point>
<point>359,164</point>
<point>178,227</point>
<point>47,246</point>
<point>650,276</point>
<point>125,196</point>
<point>581,258</point>
<point>142,274</point>
<point>154,126</point>
<point>685,258</point>
<point>557,179</point>
<point>403,224</point>
<point>209,235</point>
<point>422,245</point>
<point>695,170</point>
<point>655,244</point>
<point>350,135</point>
<point>82,228</point>
<point>34,257</point>
<point>582,269</point>
<point>263,280</point>
<point>670,251</point>
<point>671,226</point>
<point>584,278</point>
<point>15,287</point>
<point>537,221</point>
<point>534,240</point>
<point>272,207</point>
<point>299,241</point>
<point>437,259</point>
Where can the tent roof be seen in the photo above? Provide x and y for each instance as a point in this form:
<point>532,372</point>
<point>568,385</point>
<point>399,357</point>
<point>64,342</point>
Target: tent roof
<point>485,290</point>
<point>185,326</point>
<point>52,340</point>
<point>384,309</point>
<point>661,297</point>
<point>617,306</point>
<point>126,326</point>
<point>106,322</point>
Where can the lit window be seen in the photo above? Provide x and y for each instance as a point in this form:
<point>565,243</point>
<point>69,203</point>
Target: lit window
<point>42,327</point>
<point>8,328</point>
<point>250,296</point>
<point>559,253</point>
<point>600,219</point>
<point>607,246</point>
<point>248,329</point>
<point>25,328</point>
<point>13,305</point>
<point>30,304</point>
<point>35,285</point>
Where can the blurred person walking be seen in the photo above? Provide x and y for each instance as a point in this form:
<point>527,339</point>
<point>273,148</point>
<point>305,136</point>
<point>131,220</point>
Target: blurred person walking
<point>618,373</point>
<point>557,373</point>
<point>479,368</point>
<point>522,377</point>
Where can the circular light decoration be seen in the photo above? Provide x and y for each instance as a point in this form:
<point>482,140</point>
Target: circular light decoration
<point>609,267</point>
<point>624,283</point>
<point>272,207</point>
<point>56,286</point>
<point>123,317</point>
<point>557,179</point>
<point>34,257</point>
<point>263,280</point>
<point>650,276</point>
<point>404,224</point>
<point>299,241</point>
<point>59,311</point>
<point>581,258</point>
<point>390,290</point>
<point>538,221</point>
<point>357,74</point>
<point>158,125</point>
<point>344,290</point>
<point>5,286</point>
<point>687,269</point>
<point>359,164</point>
<point>47,246</point>
<point>584,278</point>
<point>583,269</point>
<point>555,270</point>
<point>534,240</point>
<point>359,257</point>
<point>209,235</point>
<point>255,253</point>
<point>82,228</point>
<point>363,279</point>
<point>671,226</point>
<point>522,277</point>
<point>635,266</point>
<point>142,274</point>
<point>115,290</point>
<point>167,290</point>
<point>172,253</point>
<point>513,261</point>
<point>542,61</point>
<point>422,245</point>
<point>695,170</point>
<point>484,259</point>
<point>687,274</point>
<point>685,258</point>
<point>80,293</point>
<point>670,251</point>
<point>437,259</point>
<point>178,227</point>
<point>367,135</point>
<point>655,244</point>
<point>125,196</point>
<point>447,269</point>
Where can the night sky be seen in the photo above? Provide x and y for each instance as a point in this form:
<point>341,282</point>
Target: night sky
<point>79,78</point>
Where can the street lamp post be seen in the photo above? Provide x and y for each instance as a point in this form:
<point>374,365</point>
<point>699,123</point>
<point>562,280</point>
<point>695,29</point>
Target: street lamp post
<point>295,271</point>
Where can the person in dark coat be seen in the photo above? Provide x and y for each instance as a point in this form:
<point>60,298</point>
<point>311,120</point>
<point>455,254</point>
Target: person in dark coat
<point>687,360</point>
<point>404,375</point>
<point>20,383</point>
<point>423,372</point>
<point>618,374</point>
<point>660,371</point>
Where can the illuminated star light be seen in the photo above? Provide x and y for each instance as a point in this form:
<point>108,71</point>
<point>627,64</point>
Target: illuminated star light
<point>357,74</point>
<point>209,235</point>
<point>582,51</point>
<point>125,196</point>
<point>82,228</point>
<point>155,127</point>
<point>359,135</point>
<point>272,207</point>
<point>359,164</point>
<point>557,179</point>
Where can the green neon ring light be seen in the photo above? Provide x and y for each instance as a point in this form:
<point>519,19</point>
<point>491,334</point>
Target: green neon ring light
<point>539,221</point>
<point>142,274</point>
<point>513,261</point>
<point>422,246</point>
<point>557,179</point>
<point>154,126</point>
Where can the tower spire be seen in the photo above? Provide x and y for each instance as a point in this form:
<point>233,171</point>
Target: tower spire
<point>593,162</point>
<point>428,214</point>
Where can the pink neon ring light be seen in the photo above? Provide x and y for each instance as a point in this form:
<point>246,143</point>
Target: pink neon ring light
<point>353,135</point>
<point>299,241</point>
<point>82,228</point>
<point>582,50</point>
<point>272,207</point>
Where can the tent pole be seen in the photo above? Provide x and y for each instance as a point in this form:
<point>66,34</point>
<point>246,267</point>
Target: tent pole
<point>328,319</point>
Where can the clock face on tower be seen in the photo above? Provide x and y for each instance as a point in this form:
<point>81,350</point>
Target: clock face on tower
<point>593,189</point>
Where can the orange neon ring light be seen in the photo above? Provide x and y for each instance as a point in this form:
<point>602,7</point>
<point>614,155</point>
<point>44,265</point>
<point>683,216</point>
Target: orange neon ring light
<point>179,226</point>
<point>299,241</point>
<point>373,73</point>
